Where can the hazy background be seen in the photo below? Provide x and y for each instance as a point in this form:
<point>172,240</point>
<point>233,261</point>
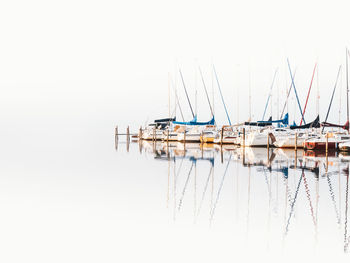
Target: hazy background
<point>74,61</point>
<point>72,70</point>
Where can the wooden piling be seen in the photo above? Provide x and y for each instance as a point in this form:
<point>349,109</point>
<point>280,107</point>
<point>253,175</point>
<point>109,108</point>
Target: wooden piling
<point>140,133</point>
<point>116,132</point>
<point>222,135</point>
<point>296,142</point>
<point>243,137</point>
<point>268,141</point>
<point>167,144</point>
<point>154,135</point>
<point>221,154</point>
<point>116,138</point>
<point>327,142</point>
<point>128,134</point>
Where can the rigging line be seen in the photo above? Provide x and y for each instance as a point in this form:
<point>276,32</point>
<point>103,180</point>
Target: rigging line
<point>308,94</point>
<point>184,190</point>
<point>270,93</point>
<point>293,204</point>
<point>330,103</point>
<point>178,170</point>
<point>290,88</point>
<point>219,191</point>
<point>222,97</point>
<point>188,99</point>
<point>295,90</point>
<point>205,190</point>
<point>289,196</point>
<point>206,92</point>
<point>177,99</point>
<point>333,199</point>
<point>307,190</point>
<point>267,183</point>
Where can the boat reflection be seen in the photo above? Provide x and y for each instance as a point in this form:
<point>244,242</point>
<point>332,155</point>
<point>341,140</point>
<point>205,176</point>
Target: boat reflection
<point>273,187</point>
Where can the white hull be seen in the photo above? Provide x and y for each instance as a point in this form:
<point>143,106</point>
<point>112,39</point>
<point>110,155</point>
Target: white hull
<point>151,135</point>
<point>288,141</point>
<point>188,137</point>
<point>257,138</point>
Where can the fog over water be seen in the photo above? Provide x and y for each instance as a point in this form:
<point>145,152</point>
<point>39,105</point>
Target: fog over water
<point>70,71</point>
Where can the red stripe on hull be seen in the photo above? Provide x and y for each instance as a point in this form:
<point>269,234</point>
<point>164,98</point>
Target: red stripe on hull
<point>320,145</point>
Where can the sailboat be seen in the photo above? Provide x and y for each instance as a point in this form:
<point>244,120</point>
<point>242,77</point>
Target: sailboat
<point>329,141</point>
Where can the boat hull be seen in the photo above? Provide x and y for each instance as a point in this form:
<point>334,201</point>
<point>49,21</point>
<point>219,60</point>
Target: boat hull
<point>311,145</point>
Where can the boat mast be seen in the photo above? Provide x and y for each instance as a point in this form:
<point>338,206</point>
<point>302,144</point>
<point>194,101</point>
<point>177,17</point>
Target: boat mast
<point>347,88</point>
<point>206,92</point>
<point>169,95</point>
<point>318,94</point>
<point>250,96</point>
<point>330,103</point>
<point>308,94</point>
<point>341,85</point>
<point>237,103</point>
<point>295,90</point>
<point>270,93</point>
<point>188,99</point>
<point>222,98</point>
<point>278,99</point>
<point>212,90</point>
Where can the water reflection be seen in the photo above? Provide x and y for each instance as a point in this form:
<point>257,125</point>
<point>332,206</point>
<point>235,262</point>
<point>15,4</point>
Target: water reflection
<point>283,191</point>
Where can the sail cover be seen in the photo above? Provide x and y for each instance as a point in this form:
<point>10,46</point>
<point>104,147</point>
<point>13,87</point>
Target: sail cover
<point>313,124</point>
<point>165,120</point>
<point>260,124</point>
<point>269,122</point>
<point>195,122</point>
<point>284,121</point>
<point>327,124</point>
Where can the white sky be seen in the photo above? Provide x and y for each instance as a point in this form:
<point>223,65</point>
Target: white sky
<point>72,58</point>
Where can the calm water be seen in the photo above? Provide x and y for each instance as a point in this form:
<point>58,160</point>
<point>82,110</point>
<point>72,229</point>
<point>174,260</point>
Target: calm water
<point>232,202</point>
<point>68,195</point>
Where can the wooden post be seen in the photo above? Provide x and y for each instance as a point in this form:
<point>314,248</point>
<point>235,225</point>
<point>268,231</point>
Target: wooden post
<point>327,152</point>
<point>221,154</point>
<point>116,138</point>
<point>201,138</point>
<point>127,134</point>
<point>268,141</point>
<point>167,143</point>
<point>243,137</point>
<point>222,135</point>
<point>140,133</point>
<point>154,134</point>
<point>185,136</point>
<point>296,141</point>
